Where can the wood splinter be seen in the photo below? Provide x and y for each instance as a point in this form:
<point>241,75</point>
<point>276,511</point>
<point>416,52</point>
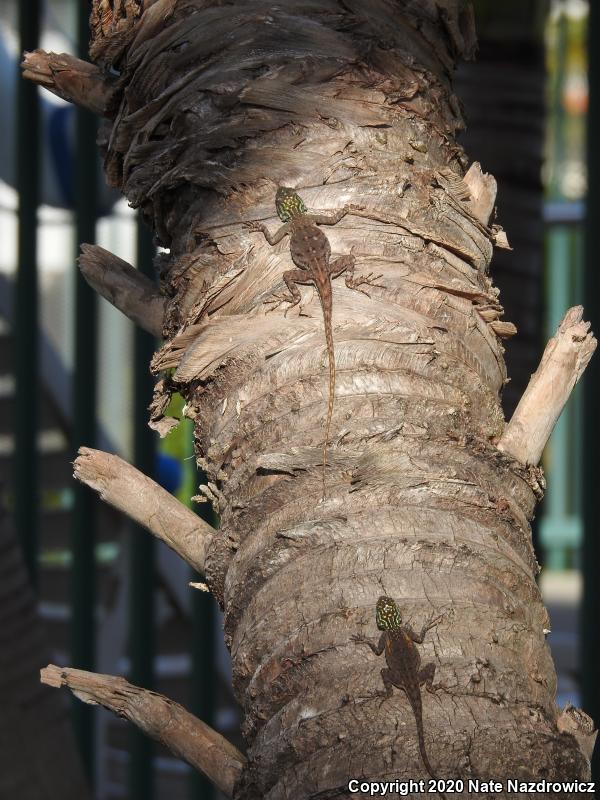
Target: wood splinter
<point>564,360</point>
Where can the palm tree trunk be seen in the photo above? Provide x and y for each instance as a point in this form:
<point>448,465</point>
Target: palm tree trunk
<point>215,105</point>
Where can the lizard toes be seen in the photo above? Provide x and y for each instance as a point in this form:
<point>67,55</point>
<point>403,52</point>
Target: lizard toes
<point>278,299</point>
<point>370,280</point>
<point>292,303</point>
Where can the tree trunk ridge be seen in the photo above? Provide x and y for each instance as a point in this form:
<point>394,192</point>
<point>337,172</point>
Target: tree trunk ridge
<point>350,102</point>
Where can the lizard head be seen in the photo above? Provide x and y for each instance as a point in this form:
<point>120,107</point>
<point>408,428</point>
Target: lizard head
<point>387,614</point>
<point>288,204</point>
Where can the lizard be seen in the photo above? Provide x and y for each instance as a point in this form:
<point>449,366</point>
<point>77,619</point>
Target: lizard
<point>403,662</point>
<point>311,252</point>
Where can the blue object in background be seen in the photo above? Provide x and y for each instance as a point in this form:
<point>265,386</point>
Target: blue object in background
<point>169,472</point>
<point>58,123</point>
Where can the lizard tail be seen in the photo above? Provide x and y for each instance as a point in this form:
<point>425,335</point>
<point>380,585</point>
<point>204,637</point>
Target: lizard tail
<point>417,710</point>
<point>331,359</point>
<point>428,766</point>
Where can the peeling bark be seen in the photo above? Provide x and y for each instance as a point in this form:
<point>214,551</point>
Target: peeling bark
<point>349,102</point>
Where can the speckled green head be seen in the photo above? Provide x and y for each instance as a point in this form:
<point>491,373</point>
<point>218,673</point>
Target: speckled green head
<point>387,614</point>
<point>288,204</point>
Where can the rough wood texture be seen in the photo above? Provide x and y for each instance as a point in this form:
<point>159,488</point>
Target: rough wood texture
<point>144,501</point>
<point>565,358</point>
<point>348,102</point>
<point>186,736</point>
<point>124,287</point>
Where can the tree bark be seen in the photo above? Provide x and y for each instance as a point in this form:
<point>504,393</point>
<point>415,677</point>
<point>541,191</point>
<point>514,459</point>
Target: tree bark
<point>350,102</point>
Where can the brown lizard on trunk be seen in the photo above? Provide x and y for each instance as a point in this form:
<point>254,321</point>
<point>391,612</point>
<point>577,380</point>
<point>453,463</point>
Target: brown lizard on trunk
<point>403,663</point>
<point>310,251</point>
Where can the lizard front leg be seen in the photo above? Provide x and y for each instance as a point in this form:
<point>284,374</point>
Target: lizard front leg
<point>419,638</point>
<point>378,648</point>
<point>282,231</point>
<point>386,674</point>
<point>333,219</point>
<point>426,676</point>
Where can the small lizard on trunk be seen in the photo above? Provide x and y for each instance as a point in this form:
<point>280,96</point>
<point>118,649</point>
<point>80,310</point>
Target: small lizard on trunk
<point>403,663</point>
<point>310,251</point>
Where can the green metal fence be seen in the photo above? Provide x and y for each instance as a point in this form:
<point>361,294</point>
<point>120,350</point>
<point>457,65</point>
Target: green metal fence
<point>561,528</point>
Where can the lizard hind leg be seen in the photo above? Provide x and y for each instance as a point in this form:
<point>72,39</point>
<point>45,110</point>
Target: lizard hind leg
<point>426,676</point>
<point>278,299</point>
<point>340,265</point>
<point>347,264</point>
<point>363,280</point>
<point>360,280</point>
<point>290,278</point>
<point>386,677</point>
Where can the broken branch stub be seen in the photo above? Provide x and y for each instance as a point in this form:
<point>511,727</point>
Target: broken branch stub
<point>71,79</point>
<point>163,720</point>
<point>125,287</point>
<point>564,360</point>
<point>144,501</point>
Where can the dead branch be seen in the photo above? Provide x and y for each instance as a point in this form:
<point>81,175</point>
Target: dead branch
<point>72,79</point>
<point>124,287</point>
<point>482,188</point>
<point>565,358</point>
<point>167,722</point>
<point>576,722</point>
<point>144,501</point>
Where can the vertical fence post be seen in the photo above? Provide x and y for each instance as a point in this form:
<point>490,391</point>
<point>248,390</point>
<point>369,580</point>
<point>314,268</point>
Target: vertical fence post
<point>590,635</point>
<point>203,661</point>
<point>203,676</point>
<point>560,526</point>
<point>84,407</point>
<point>26,299</point>
<point>141,551</point>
